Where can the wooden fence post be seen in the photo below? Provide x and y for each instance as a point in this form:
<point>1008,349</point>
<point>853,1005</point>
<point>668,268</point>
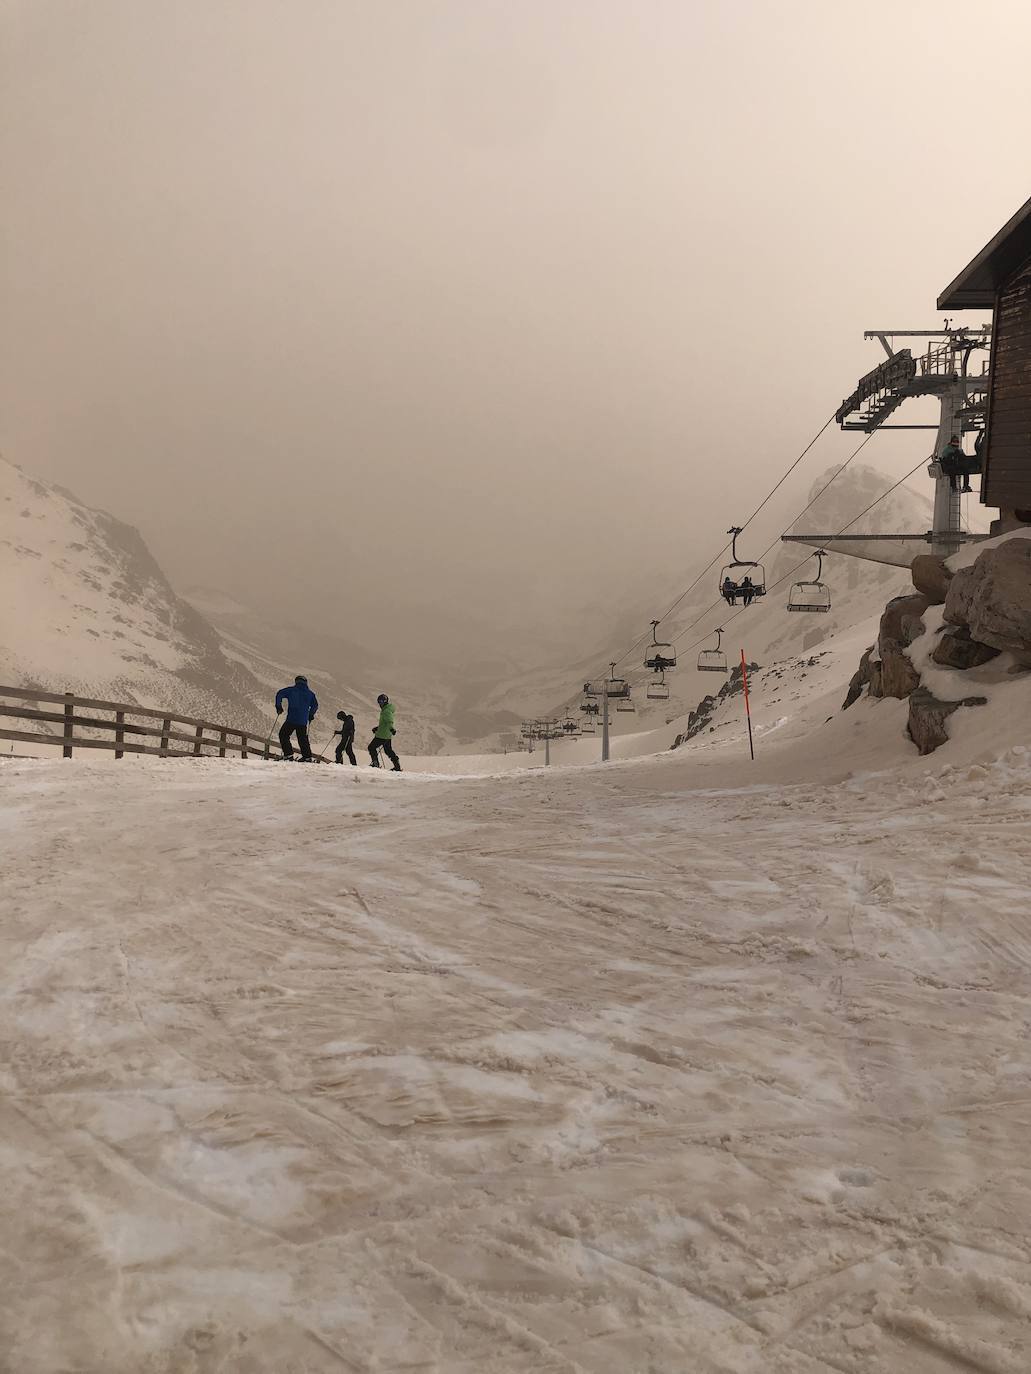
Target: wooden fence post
<point>199,740</point>
<point>221,744</point>
<point>69,709</point>
<point>119,734</point>
<point>166,726</point>
<point>243,745</point>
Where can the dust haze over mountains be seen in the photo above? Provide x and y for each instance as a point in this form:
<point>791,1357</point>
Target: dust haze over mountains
<point>452,326</point>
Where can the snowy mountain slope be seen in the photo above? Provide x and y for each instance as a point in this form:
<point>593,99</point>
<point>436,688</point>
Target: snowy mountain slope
<point>85,607</point>
<point>767,631</point>
<point>345,674</point>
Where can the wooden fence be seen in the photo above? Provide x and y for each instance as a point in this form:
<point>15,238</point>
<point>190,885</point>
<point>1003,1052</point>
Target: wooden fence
<point>123,732</point>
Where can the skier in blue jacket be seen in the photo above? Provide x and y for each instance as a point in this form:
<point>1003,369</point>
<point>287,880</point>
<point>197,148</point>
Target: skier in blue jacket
<point>301,707</point>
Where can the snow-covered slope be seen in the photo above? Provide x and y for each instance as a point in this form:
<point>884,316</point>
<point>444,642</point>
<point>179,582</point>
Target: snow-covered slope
<point>85,607</point>
<point>767,631</point>
<point>667,1066</point>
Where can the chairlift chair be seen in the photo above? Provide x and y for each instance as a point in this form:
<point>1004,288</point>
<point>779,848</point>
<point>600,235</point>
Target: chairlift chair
<point>814,595</point>
<point>742,579</point>
<point>713,660</point>
<point>588,727</point>
<point>657,690</point>
<point>589,708</point>
<point>660,654</point>
<point>570,727</point>
<point>618,689</point>
<point>625,703</point>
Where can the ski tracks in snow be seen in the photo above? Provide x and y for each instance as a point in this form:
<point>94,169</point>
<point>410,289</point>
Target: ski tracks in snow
<point>528,1073</point>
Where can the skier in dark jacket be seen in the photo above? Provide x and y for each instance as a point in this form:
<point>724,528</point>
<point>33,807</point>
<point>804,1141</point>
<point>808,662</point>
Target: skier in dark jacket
<point>346,733</point>
<point>301,708</point>
<point>384,734</point>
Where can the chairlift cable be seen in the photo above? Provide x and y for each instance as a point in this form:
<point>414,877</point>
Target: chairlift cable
<point>801,564</point>
<point>770,547</point>
<point>709,566</point>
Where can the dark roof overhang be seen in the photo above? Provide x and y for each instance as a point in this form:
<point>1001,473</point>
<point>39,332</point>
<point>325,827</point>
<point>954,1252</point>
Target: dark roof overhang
<point>976,286</point>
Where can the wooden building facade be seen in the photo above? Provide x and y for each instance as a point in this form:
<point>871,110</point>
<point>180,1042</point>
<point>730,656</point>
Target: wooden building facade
<point>999,279</point>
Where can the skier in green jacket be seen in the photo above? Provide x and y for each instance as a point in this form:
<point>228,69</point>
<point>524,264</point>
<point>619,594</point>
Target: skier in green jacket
<point>385,732</point>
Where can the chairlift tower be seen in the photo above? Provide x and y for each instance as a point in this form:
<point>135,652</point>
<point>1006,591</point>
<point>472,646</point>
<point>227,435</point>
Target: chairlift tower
<point>948,369</point>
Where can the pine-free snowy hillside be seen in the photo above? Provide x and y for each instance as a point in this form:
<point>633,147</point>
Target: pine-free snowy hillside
<point>344,674</point>
<point>767,631</point>
<point>85,607</point>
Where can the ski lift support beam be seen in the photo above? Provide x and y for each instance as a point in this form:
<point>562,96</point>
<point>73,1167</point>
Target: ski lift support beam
<point>941,372</point>
<point>947,542</point>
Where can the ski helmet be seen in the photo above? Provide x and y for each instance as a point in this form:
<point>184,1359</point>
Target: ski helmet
<point>341,715</point>
<point>382,699</point>
<point>300,681</point>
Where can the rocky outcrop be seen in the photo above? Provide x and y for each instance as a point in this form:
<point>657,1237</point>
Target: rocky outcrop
<point>869,669</point>
<point>700,717</point>
<point>956,649</point>
<point>992,599</point>
<point>927,717</point>
<point>931,577</point>
<point>987,608</point>
<point>901,623</point>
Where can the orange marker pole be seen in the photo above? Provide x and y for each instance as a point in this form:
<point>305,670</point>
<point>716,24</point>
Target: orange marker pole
<point>748,710</point>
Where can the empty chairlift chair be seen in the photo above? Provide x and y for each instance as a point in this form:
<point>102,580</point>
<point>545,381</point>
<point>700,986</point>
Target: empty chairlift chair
<point>742,580</point>
<point>657,689</point>
<point>617,689</point>
<point>814,595</point>
<point>713,660</point>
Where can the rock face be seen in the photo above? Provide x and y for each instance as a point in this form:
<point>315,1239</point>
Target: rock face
<point>992,599</point>
<point>927,717</point>
<point>901,623</point>
<point>955,649</point>
<point>869,669</point>
<point>931,577</point>
<point>702,714</point>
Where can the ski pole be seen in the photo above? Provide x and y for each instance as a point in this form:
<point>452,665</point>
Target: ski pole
<point>322,756</point>
<point>268,741</point>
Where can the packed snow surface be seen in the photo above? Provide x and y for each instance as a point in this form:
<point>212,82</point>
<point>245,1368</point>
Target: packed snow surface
<point>662,1067</point>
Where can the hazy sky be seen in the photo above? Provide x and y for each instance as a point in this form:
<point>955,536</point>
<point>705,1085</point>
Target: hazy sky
<point>391,310</point>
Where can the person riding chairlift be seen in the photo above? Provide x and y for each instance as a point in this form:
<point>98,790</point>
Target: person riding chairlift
<point>955,464</point>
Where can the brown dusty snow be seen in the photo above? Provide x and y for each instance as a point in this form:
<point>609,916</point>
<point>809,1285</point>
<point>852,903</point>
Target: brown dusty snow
<point>304,1071</point>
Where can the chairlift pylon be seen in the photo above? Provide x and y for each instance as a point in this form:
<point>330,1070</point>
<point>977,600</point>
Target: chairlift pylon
<point>713,660</point>
<point>813,595</point>
<point>661,655</point>
<point>742,579</point>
